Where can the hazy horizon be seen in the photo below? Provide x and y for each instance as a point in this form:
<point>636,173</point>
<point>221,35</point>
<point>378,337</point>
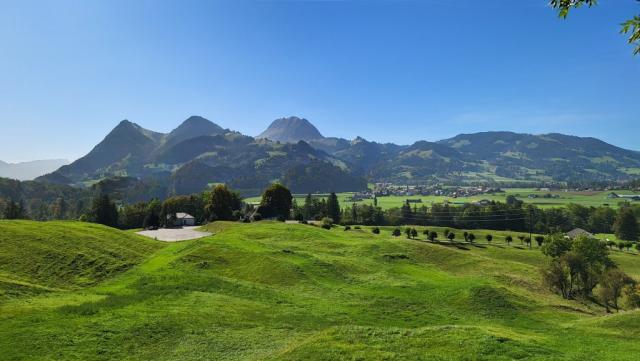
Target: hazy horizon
<point>387,71</point>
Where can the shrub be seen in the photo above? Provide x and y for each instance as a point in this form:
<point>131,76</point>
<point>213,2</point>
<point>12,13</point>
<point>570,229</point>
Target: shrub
<point>620,245</point>
<point>376,230</point>
<point>414,233</point>
<point>556,246</point>
<point>281,218</point>
<point>471,237</point>
<point>396,232</point>
<point>612,284</point>
<point>432,236</point>
<point>631,296</point>
<point>451,236</point>
<point>508,239</point>
<point>357,227</point>
<point>557,278</point>
<point>256,217</point>
<point>489,238</point>
<point>347,228</point>
<point>539,240</point>
<point>425,232</point>
<point>466,235</point>
<point>446,232</point>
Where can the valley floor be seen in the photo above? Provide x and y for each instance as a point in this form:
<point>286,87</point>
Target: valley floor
<point>274,291</point>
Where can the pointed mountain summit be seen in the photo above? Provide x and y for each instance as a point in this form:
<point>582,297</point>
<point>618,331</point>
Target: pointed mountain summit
<point>194,126</point>
<point>291,130</point>
<point>126,141</point>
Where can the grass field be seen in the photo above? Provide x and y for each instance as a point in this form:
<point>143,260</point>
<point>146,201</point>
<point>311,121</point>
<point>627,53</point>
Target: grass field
<point>594,199</point>
<point>273,291</point>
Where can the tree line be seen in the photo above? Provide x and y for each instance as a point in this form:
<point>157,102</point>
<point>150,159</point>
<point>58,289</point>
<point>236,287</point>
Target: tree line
<point>512,215</point>
<point>222,203</point>
<point>217,204</point>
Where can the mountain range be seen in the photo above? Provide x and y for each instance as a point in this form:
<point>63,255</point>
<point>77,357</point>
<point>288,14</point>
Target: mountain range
<point>30,170</point>
<point>292,150</point>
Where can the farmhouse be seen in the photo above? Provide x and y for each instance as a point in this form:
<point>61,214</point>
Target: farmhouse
<point>183,219</point>
<point>579,232</point>
<point>633,197</point>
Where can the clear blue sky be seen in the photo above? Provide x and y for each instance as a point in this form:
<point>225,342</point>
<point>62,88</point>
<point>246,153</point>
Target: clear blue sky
<point>395,71</point>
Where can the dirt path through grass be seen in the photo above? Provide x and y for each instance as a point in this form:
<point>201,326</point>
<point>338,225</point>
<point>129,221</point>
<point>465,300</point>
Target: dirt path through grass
<point>175,234</point>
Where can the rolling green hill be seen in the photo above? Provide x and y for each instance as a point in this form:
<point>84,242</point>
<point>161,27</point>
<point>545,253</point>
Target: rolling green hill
<point>557,156</point>
<point>272,291</point>
<point>41,256</point>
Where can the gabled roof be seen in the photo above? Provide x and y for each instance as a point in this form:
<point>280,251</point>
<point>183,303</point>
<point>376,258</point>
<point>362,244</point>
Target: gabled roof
<point>578,232</point>
<point>181,215</point>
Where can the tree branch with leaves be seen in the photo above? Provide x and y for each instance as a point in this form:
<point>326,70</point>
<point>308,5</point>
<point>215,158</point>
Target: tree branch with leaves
<point>630,27</point>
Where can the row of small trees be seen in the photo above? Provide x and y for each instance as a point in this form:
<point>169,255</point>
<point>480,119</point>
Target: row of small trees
<point>412,233</point>
<point>511,215</point>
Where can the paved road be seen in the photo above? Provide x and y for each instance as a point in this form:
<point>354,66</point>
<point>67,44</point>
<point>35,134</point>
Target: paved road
<point>174,234</point>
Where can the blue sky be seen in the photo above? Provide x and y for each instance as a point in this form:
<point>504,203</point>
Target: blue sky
<point>392,71</point>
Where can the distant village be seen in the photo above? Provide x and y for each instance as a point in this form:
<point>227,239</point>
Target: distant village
<point>390,189</point>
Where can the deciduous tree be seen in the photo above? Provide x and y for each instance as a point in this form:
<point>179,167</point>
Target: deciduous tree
<point>626,225</point>
<point>276,202</point>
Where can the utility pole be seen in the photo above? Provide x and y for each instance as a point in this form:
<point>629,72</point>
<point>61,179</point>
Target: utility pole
<point>530,225</point>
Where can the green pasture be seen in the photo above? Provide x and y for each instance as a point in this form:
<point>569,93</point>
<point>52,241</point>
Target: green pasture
<point>275,291</point>
<point>588,199</point>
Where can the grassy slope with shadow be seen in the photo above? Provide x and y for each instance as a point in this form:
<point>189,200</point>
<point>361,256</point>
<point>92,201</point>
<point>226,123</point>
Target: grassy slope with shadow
<point>36,257</point>
<point>273,291</point>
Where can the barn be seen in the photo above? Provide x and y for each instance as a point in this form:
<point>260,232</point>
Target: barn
<point>184,219</point>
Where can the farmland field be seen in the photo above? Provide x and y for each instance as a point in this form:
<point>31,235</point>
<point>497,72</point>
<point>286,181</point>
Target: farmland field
<point>275,291</point>
<point>588,199</point>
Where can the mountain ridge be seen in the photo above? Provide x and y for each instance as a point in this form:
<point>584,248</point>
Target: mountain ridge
<point>30,169</point>
<point>199,152</point>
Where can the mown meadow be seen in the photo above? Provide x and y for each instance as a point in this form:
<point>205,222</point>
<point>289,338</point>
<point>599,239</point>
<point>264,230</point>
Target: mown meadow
<point>562,198</point>
<point>276,291</point>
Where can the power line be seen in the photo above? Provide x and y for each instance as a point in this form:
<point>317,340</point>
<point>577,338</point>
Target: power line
<point>478,220</point>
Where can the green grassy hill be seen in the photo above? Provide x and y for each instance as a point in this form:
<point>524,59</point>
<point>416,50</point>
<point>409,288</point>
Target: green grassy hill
<point>41,256</point>
<point>272,291</point>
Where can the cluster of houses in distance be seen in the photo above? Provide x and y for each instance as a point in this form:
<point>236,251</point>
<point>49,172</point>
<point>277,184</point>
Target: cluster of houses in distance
<point>631,197</point>
<point>389,189</point>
